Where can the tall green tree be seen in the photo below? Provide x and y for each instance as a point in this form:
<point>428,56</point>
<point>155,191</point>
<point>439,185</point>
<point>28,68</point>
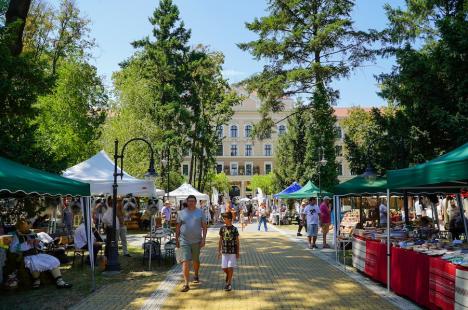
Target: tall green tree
<point>307,44</point>
<point>22,80</point>
<point>69,118</point>
<point>291,151</point>
<point>177,92</point>
<point>428,83</point>
<point>211,106</point>
<point>57,34</point>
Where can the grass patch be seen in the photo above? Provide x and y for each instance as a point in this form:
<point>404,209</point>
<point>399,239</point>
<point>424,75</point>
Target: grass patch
<point>48,297</point>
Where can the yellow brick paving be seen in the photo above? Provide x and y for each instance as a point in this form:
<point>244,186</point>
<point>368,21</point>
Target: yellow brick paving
<point>274,273</point>
<point>130,294</point>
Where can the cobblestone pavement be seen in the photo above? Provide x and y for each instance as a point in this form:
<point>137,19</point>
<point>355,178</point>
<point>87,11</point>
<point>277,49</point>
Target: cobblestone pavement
<point>274,273</point>
<point>122,295</point>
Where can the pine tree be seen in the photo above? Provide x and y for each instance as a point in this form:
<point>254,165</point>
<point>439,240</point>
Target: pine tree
<point>307,44</point>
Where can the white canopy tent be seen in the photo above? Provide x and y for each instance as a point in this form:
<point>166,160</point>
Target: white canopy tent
<point>98,171</point>
<point>185,190</point>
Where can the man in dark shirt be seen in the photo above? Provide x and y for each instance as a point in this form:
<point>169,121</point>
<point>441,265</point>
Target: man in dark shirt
<point>228,248</point>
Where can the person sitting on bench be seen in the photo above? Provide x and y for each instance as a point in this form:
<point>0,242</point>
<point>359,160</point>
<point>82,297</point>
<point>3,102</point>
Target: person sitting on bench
<point>81,242</point>
<point>28,244</point>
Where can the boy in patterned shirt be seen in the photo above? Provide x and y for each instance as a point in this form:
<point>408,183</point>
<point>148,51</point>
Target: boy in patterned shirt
<point>228,248</point>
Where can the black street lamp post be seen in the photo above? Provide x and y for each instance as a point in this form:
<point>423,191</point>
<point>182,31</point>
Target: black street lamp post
<point>113,265</point>
<point>166,164</point>
<point>322,162</point>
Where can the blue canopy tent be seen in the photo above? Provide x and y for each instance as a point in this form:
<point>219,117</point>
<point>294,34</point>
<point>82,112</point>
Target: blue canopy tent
<point>288,190</point>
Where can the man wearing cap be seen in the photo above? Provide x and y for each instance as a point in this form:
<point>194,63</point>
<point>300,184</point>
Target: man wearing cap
<point>325,219</point>
<point>312,212</point>
<point>166,214</point>
<point>300,211</point>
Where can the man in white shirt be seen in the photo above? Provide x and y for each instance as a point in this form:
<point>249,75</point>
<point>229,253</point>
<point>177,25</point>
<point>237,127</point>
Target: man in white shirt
<point>312,213</point>
<point>383,213</point>
<point>418,207</point>
<point>81,243</point>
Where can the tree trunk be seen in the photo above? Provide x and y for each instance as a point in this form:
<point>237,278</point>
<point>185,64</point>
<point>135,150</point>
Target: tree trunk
<point>192,163</point>
<point>200,171</point>
<point>17,10</point>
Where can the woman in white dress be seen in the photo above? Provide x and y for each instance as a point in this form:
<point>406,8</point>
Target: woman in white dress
<point>27,243</point>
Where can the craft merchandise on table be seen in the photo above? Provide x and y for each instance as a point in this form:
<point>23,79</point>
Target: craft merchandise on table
<point>433,273</point>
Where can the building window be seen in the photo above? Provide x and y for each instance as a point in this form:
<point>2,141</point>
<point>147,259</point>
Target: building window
<point>219,168</point>
<point>338,150</point>
<point>233,149</point>
<point>248,169</point>
<point>339,169</point>
<point>248,150</point>
<point>220,131</point>
<point>281,130</point>
<point>219,150</point>
<point>339,132</point>
<point>185,169</point>
<point>267,149</point>
<point>267,168</point>
<point>248,130</point>
<point>234,168</point>
<point>234,131</point>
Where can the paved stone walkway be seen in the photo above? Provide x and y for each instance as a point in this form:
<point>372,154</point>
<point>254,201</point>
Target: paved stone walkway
<point>274,273</point>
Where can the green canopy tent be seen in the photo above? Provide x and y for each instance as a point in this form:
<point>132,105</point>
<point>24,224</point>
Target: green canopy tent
<point>309,190</point>
<point>361,186</point>
<point>17,179</point>
<point>444,172</point>
<point>447,173</point>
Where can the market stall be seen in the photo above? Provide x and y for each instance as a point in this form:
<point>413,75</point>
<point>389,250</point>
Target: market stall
<point>438,269</point>
<point>370,245</point>
<point>294,187</point>
<point>309,190</point>
<point>183,191</point>
<point>98,171</point>
<point>17,180</point>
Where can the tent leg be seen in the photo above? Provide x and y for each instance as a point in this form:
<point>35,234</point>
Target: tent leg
<point>462,212</point>
<point>388,240</point>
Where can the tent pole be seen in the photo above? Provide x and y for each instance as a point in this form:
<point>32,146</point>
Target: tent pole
<point>462,213</point>
<point>388,240</point>
<point>150,242</point>
<point>335,198</point>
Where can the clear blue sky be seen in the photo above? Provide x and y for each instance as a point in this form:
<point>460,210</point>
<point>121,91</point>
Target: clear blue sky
<point>220,25</point>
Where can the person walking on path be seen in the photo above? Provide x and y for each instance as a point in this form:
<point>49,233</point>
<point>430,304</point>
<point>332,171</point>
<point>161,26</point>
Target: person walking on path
<point>190,238</point>
<point>312,212</point>
<point>299,218</point>
<point>228,248</point>
<point>262,214</point>
<point>325,219</point>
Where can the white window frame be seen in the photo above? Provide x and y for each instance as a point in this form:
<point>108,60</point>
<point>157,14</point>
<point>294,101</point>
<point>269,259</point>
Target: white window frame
<point>338,127</point>
<point>342,170</point>
<point>230,150</point>
<point>245,130</point>
<point>230,168</point>
<point>222,132</point>
<point>251,170</point>
<point>217,150</point>
<point>278,129</point>
<point>264,166</point>
<point>271,149</point>
<point>188,169</point>
<point>222,165</point>
<point>230,132</point>
<point>251,150</point>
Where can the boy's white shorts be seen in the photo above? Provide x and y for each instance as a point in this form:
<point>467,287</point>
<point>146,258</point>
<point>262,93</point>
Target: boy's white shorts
<point>228,261</point>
